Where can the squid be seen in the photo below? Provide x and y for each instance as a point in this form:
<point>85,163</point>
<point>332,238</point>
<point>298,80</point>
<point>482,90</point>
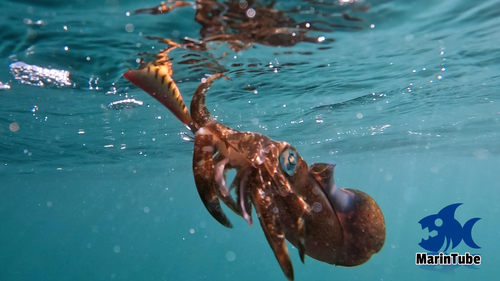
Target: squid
<point>293,201</point>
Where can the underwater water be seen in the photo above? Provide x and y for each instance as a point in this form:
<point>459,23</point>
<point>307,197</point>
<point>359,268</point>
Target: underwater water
<point>405,101</point>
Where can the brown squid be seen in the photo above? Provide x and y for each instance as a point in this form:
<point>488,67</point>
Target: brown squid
<point>293,202</point>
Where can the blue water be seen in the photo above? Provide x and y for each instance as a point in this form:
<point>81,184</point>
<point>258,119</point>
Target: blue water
<point>408,107</point>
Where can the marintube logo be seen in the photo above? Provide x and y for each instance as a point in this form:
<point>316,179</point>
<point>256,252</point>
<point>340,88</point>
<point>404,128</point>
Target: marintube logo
<point>450,233</point>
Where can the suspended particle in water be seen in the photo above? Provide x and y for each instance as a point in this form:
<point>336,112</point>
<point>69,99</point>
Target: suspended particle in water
<point>14,127</point>
<point>243,4</point>
<point>317,207</point>
<point>230,256</point>
<point>129,27</point>
<point>116,249</point>
<point>250,13</point>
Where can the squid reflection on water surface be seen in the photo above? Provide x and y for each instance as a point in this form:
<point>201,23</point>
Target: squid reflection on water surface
<point>242,23</point>
<point>293,201</point>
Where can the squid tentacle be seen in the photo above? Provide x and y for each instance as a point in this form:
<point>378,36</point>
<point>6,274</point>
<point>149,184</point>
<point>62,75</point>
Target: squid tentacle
<point>243,194</point>
<point>220,168</point>
<point>304,220</point>
<point>203,169</point>
<point>282,188</point>
<point>199,112</point>
<point>271,224</point>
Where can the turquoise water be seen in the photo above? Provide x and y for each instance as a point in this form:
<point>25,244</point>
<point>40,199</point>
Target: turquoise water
<point>408,107</point>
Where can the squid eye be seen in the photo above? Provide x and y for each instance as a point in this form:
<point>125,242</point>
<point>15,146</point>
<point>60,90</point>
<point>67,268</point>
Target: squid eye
<point>288,161</point>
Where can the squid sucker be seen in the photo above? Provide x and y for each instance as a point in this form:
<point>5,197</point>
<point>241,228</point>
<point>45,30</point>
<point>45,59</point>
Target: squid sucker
<point>293,201</point>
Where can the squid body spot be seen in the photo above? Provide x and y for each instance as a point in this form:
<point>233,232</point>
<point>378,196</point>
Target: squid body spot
<point>207,149</point>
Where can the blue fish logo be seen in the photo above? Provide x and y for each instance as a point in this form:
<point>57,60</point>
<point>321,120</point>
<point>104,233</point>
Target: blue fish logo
<point>448,229</point>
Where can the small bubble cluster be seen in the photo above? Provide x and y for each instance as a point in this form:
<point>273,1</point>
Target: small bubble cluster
<point>34,75</point>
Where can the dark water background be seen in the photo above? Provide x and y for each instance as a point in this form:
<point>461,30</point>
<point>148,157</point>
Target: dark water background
<point>408,107</point>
